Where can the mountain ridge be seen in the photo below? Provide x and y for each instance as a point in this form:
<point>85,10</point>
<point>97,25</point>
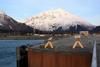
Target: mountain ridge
<point>8,24</point>
<point>53,19</point>
<point>58,21</point>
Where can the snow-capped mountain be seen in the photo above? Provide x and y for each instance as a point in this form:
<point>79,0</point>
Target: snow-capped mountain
<point>8,24</point>
<point>54,19</point>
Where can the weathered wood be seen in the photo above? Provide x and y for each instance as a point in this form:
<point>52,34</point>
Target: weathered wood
<point>58,59</point>
<point>77,42</point>
<point>34,59</point>
<point>49,43</point>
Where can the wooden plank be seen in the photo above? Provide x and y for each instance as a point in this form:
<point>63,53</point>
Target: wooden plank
<point>56,59</point>
<point>62,60</point>
<point>34,59</point>
<point>81,60</point>
<point>48,59</point>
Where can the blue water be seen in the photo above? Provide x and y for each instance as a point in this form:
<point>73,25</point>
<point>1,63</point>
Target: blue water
<point>8,51</point>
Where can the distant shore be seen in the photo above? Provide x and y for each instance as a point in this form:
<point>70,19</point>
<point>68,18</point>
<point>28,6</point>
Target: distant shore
<point>35,36</point>
<point>19,37</point>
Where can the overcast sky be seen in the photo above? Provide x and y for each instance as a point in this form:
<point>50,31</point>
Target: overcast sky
<point>21,9</point>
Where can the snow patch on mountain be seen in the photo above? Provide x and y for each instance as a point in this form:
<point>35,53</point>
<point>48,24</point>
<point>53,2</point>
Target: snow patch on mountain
<point>53,19</point>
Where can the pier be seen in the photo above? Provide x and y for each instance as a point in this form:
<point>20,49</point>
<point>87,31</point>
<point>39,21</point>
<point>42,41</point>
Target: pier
<point>61,54</point>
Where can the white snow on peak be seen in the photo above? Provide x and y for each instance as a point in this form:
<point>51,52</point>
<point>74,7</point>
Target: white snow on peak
<point>2,12</point>
<point>53,19</point>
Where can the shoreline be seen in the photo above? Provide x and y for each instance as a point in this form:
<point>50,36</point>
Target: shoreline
<point>23,37</point>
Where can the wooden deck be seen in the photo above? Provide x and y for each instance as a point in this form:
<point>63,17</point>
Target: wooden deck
<point>63,55</point>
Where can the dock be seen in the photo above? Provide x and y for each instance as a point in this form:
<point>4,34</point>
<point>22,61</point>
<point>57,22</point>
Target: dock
<point>61,55</point>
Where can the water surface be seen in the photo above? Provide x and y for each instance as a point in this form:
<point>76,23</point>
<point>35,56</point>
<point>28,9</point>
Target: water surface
<point>8,51</point>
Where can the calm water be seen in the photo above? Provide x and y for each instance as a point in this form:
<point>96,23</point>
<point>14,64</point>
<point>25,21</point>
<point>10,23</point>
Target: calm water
<point>8,51</point>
